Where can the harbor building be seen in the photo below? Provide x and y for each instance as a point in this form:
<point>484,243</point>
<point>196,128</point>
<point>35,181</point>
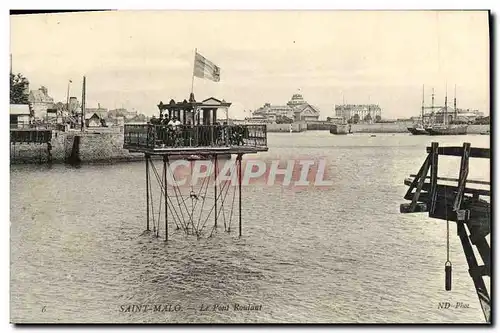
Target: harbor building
<point>272,113</point>
<point>359,113</point>
<point>94,120</point>
<point>461,116</point>
<point>297,109</point>
<point>99,111</point>
<point>40,102</point>
<point>128,116</point>
<point>74,106</point>
<point>20,115</point>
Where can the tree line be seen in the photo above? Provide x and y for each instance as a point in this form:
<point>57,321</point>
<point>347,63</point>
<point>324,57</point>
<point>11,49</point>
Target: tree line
<point>19,89</point>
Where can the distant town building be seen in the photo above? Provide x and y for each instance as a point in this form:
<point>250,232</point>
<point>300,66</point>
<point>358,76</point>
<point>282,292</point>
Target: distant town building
<point>20,115</point>
<point>359,113</point>
<point>52,115</point>
<point>138,119</point>
<point>101,112</point>
<point>60,106</point>
<point>302,110</point>
<point>272,112</point>
<point>131,114</point>
<point>93,120</point>
<point>462,116</point>
<point>119,121</point>
<point>122,112</point>
<point>40,101</point>
<point>296,109</point>
<point>74,106</point>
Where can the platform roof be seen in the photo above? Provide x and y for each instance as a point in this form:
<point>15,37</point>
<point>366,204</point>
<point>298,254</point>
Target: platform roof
<point>209,103</point>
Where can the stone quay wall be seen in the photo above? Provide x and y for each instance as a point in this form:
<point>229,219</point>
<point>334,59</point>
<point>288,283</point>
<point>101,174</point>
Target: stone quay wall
<point>94,147</point>
<point>296,127</point>
<point>402,128</point>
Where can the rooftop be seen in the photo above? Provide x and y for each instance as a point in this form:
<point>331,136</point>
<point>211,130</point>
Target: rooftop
<point>40,96</point>
<point>20,109</point>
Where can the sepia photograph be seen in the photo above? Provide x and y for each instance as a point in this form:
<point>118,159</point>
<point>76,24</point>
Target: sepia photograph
<point>250,167</point>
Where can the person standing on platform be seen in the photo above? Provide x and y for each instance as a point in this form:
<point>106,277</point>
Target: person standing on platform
<point>171,122</point>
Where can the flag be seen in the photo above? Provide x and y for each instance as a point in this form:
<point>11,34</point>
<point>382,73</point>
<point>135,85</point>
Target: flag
<point>205,69</point>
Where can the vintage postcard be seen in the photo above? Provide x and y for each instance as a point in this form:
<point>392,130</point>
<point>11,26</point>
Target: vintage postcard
<point>250,167</point>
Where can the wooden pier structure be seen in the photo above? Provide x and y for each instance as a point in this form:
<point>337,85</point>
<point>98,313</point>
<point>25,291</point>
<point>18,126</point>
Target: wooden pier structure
<point>189,130</point>
<point>464,203</point>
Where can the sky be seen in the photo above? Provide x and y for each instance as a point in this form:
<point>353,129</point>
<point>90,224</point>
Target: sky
<point>135,59</point>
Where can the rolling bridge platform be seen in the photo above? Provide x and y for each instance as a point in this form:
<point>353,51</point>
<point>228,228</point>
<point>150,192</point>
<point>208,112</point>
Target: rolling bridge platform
<point>189,130</point>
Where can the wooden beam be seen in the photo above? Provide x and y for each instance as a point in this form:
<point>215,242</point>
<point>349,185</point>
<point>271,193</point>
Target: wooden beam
<point>147,191</point>
<point>421,181</point>
<point>479,219</point>
<point>479,236</point>
<point>484,250</point>
<point>434,175</point>
<point>450,189</point>
<point>482,292</point>
<point>482,270</point>
<point>458,151</point>
<point>419,175</point>
<point>419,208</point>
<point>464,172</point>
<point>481,182</point>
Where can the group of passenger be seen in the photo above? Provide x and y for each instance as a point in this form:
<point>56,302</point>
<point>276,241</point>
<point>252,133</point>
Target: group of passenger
<point>171,133</point>
<point>174,121</point>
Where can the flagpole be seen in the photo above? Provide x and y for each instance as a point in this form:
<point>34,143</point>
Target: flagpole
<point>194,65</point>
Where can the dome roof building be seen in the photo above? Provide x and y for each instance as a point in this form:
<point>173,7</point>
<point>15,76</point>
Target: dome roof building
<point>297,109</point>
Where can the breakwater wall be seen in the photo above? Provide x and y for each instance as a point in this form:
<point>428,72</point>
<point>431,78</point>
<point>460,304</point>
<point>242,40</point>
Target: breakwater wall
<point>325,126</point>
<point>296,127</point>
<point>380,128</point>
<point>478,129</point>
<point>319,125</point>
<point>402,128</point>
<point>397,127</point>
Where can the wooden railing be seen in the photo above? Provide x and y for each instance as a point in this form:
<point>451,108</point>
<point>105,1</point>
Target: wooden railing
<point>164,136</point>
<point>30,136</point>
<point>39,127</point>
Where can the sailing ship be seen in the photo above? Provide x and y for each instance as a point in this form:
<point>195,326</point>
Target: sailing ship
<point>419,129</point>
<point>446,128</point>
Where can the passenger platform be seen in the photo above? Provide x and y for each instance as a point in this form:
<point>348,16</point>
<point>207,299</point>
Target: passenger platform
<point>191,127</point>
<point>199,139</point>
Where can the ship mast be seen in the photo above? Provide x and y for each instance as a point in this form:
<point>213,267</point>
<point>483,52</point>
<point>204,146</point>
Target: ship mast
<point>455,103</point>
<point>423,100</point>
<point>445,105</point>
<point>432,106</point>
<point>84,93</point>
